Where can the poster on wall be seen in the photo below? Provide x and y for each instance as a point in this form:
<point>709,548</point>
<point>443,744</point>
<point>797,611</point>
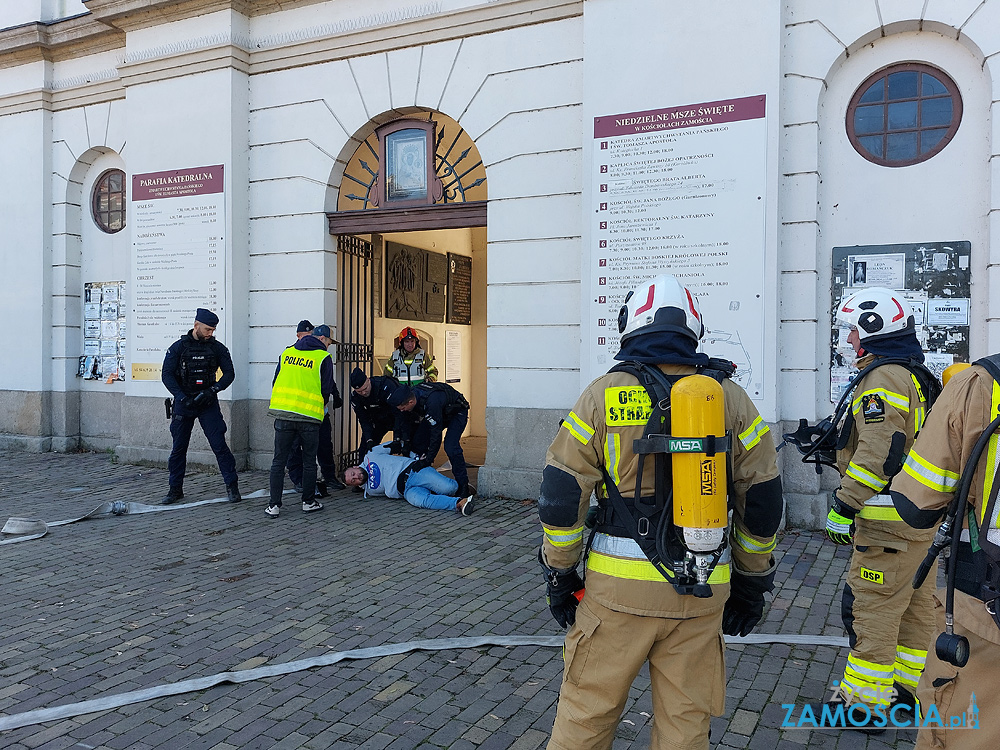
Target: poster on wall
<point>681,190</point>
<point>452,356</point>
<point>178,258</point>
<point>934,277</point>
<point>103,331</point>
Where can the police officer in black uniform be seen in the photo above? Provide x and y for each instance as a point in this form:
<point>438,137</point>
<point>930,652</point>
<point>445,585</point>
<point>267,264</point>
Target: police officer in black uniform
<point>189,369</point>
<point>370,401</point>
<point>427,411</point>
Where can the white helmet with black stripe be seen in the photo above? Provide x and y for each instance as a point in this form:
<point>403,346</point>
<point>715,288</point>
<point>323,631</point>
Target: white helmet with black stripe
<point>661,305</point>
<point>877,313</point>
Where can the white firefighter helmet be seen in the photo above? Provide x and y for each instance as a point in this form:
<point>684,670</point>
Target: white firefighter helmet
<point>662,304</point>
<point>877,313</point>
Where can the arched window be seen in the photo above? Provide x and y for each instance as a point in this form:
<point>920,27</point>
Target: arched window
<point>904,114</point>
<point>108,201</point>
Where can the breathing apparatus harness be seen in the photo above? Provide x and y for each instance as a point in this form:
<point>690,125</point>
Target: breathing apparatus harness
<point>819,445</point>
<point>950,647</point>
<point>649,520</point>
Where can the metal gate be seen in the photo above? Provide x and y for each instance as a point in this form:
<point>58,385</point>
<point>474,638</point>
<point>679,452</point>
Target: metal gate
<point>356,332</point>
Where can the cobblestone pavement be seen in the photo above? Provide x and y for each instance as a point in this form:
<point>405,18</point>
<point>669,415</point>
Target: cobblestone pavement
<point>112,605</point>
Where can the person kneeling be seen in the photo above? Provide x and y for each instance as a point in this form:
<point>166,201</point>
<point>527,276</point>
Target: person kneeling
<point>422,486</point>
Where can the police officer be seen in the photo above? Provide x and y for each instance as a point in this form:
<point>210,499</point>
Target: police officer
<point>630,611</point>
<point>889,624</point>
<point>303,383</point>
<point>922,493</point>
<point>189,369</point>
<point>324,451</point>
<point>409,363</point>
<point>370,401</point>
<point>425,413</point>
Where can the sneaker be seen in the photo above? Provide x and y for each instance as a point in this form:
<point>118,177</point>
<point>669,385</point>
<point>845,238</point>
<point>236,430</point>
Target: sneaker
<point>311,505</point>
<point>173,495</point>
<point>272,511</point>
<point>467,506</point>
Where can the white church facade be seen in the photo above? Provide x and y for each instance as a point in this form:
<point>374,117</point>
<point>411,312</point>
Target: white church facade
<point>495,174</point>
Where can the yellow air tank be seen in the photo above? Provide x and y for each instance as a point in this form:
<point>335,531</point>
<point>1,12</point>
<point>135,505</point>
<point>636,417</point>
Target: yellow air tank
<point>952,370</point>
<point>698,411</point>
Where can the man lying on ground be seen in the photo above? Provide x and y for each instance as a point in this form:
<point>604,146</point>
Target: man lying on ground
<point>422,486</point>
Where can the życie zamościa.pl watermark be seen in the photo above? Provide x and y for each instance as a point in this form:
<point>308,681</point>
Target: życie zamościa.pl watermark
<point>874,708</point>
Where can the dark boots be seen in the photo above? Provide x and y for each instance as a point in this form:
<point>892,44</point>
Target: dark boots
<point>173,495</point>
<point>233,492</point>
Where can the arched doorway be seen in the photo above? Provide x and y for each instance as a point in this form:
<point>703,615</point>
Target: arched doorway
<point>411,251</point>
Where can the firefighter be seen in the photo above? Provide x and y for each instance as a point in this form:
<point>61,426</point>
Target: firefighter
<point>633,609</point>
<point>409,364</point>
<point>888,622</point>
<point>921,493</point>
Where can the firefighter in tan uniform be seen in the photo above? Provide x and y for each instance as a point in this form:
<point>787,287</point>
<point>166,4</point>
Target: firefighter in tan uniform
<point>631,611</point>
<point>929,482</point>
<point>888,622</point>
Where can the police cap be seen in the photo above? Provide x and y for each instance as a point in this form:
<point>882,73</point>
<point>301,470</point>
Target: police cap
<point>206,317</point>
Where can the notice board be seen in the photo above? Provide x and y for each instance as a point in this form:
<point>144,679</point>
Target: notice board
<point>934,277</point>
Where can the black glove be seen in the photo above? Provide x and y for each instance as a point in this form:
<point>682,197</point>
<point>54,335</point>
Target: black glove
<point>420,463</point>
<point>396,448</point>
<point>560,589</point>
<point>202,398</point>
<point>745,605</point>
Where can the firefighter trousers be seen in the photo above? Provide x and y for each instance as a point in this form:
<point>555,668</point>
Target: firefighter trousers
<point>966,699</point>
<point>604,652</point>
<point>889,624</point>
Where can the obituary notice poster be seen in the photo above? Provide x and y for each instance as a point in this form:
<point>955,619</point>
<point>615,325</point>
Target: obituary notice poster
<point>681,190</point>
<point>179,258</point>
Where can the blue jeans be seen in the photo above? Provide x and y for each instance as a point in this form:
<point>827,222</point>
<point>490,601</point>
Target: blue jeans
<point>429,489</point>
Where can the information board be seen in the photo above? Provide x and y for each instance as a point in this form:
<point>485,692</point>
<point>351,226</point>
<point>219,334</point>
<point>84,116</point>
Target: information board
<point>681,190</point>
<point>936,279</point>
<point>178,258</point>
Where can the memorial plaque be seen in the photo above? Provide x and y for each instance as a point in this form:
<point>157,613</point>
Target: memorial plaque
<point>404,281</point>
<point>459,289</point>
<point>415,282</point>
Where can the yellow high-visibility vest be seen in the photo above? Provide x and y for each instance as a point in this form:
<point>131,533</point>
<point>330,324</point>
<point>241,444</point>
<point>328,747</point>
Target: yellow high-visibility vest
<point>298,387</point>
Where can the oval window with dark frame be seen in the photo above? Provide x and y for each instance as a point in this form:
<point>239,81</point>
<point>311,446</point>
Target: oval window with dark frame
<point>904,114</point>
<point>108,201</point>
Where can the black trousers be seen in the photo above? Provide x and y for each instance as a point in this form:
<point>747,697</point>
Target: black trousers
<point>286,434</point>
<point>324,456</point>
<point>214,426</point>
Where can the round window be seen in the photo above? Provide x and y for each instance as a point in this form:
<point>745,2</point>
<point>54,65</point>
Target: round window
<point>108,201</point>
<point>904,114</point>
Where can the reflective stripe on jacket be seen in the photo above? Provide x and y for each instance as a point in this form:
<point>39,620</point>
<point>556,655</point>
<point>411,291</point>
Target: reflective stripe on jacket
<point>888,409</point>
<point>598,433</point>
